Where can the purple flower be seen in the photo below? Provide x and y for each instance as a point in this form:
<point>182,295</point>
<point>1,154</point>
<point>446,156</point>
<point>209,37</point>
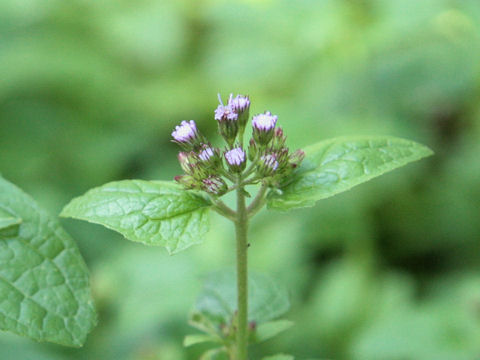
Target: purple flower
<point>270,161</point>
<point>268,164</point>
<point>225,112</point>
<point>236,159</point>
<point>264,127</point>
<point>264,122</point>
<point>206,153</point>
<point>236,156</point>
<point>186,132</point>
<point>239,103</point>
<point>227,121</point>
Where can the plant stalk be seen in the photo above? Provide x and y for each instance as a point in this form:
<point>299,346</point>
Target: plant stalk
<point>241,227</point>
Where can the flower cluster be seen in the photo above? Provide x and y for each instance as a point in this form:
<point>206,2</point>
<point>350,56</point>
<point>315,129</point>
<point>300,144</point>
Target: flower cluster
<point>209,168</point>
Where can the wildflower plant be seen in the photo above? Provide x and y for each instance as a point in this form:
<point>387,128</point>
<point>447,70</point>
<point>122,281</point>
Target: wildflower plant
<point>175,214</point>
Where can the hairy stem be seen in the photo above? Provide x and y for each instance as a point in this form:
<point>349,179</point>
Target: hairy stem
<point>221,208</point>
<point>241,226</point>
<point>258,202</point>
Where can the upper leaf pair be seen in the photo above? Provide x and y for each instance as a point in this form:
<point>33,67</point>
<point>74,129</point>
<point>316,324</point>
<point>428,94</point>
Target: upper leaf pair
<point>163,213</point>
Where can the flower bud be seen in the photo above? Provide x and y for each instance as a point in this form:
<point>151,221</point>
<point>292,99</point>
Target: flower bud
<point>252,150</point>
<point>296,158</point>
<point>214,185</point>
<point>185,161</point>
<point>209,156</point>
<point>241,105</point>
<point>227,122</point>
<point>263,127</point>
<point>186,135</point>
<point>282,157</point>
<point>268,165</point>
<point>236,159</point>
<point>191,165</point>
<point>186,180</point>
<point>279,139</point>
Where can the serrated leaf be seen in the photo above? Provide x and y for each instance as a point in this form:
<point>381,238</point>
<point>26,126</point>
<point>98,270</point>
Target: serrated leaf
<point>191,340</point>
<point>218,301</point>
<point>151,212</point>
<point>279,357</point>
<point>337,165</point>
<point>44,283</point>
<point>270,329</point>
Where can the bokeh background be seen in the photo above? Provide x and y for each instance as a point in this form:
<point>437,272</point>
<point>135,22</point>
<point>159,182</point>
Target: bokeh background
<point>90,91</point>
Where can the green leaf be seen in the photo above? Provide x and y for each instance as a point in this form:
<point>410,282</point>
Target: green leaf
<point>44,283</point>
<point>198,339</point>
<point>7,220</point>
<point>151,212</point>
<point>279,357</point>
<point>337,165</point>
<point>9,224</point>
<point>218,300</point>
<point>204,323</point>
<point>215,354</point>
<point>270,329</point>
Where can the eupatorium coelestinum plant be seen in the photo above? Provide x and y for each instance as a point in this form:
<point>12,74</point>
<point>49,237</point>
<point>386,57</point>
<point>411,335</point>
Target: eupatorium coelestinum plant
<point>175,214</point>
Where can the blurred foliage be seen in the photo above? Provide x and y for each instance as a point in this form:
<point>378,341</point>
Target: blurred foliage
<point>90,91</point>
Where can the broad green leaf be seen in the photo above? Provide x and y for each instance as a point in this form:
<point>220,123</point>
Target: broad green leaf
<point>198,339</point>
<point>279,357</point>
<point>337,165</point>
<point>218,300</point>
<point>44,283</point>
<point>204,323</point>
<point>9,224</point>
<point>270,329</point>
<point>215,354</point>
<point>151,212</point>
<point>8,220</point>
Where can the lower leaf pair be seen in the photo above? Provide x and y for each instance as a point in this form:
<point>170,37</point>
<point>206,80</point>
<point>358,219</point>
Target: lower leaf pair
<point>215,313</point>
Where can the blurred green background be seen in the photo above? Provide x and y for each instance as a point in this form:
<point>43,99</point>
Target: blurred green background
<point>90,91</point>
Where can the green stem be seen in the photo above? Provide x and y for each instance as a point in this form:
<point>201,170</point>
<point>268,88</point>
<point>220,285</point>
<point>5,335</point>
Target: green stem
<point>241,226</point>
<point>221,208</point>
<point>258,202</point>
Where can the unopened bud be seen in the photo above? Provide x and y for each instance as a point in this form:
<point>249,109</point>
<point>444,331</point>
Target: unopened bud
<point>236,159</point>
<point>252,150</point>
<point>264,127</point>
<point>268,165</point>
<point>296,158</point>
<point>214,185</point>
<point>227,121</point>
<point>241,105</point>
<point>209,156</point>
<point>279,139</point>
<point>185,161</point>
<point>186,180</point>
